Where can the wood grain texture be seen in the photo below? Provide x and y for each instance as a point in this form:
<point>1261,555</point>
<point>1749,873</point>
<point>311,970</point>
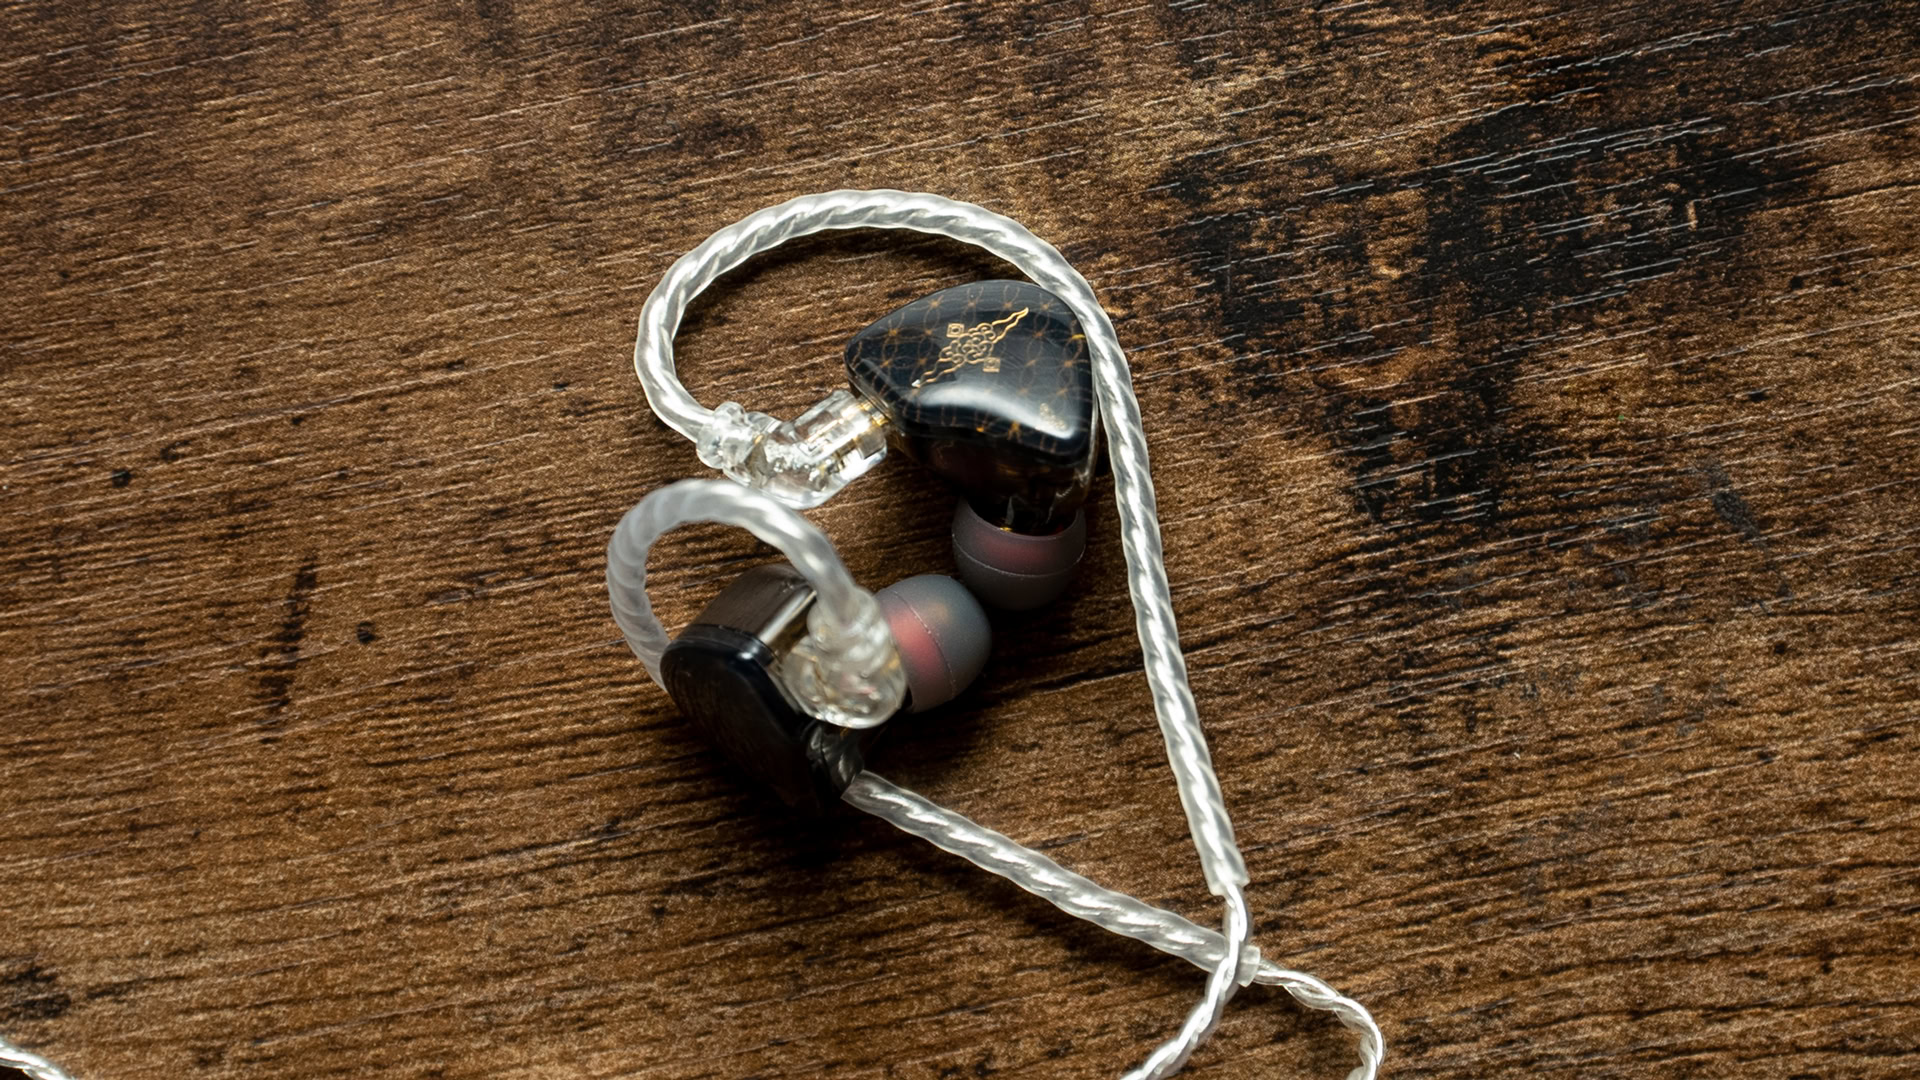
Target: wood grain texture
<point>1534,390</point>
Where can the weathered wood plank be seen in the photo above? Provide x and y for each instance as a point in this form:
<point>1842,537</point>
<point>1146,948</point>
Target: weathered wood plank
<point>1535,398</point>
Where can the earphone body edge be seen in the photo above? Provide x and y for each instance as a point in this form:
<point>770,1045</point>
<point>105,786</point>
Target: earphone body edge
<point>989,386</point>
<point>723,673</point>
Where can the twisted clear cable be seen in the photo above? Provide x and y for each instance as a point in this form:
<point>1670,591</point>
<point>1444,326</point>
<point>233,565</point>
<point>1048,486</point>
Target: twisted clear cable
<point>1116,911</point>
<point>1001,236</point>
<point>726,503</point>
<point>35,1066</point>
<point>1207,818</point>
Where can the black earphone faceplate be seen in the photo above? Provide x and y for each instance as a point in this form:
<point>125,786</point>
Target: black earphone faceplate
<point>989,385</point>
<point>722,674</point>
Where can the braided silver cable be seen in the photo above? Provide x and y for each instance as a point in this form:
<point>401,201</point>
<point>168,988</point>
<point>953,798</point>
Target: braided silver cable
<point>35,1066</point>
<point>1115,911</point>
<point>716,435</point>
<point>1166,667</point>
<point>687,501</point>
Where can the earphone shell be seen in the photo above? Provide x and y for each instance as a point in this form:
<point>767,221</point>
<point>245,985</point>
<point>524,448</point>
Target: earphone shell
<point>721,672</point>
<point>989,385</point>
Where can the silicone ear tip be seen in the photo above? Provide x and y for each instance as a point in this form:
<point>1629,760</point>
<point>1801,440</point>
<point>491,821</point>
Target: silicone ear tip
<point>1011,570</point>
<point>942,634</point>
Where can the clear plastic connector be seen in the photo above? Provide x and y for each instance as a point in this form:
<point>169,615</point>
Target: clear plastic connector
<point>847,674</point>
<point>802,462</point>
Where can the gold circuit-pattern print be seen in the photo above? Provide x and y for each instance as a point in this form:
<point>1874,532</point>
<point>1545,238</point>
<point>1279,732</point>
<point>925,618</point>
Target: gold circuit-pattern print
<point>971,345</point>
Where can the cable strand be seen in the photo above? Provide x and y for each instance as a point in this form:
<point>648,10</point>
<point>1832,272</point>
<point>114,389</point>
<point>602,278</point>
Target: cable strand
<point>1082,898</point>
<point>32,1064</point>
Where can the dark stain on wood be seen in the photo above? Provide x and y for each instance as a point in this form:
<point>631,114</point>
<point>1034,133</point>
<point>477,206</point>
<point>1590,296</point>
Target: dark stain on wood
<point>283,654</point>
<point>29,992</point>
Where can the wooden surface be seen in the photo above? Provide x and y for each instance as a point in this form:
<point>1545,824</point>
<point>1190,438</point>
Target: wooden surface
<point>1534,392</point>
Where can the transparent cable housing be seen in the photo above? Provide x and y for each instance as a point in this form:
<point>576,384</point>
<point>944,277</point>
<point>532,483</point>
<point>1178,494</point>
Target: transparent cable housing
<point>803,462</point>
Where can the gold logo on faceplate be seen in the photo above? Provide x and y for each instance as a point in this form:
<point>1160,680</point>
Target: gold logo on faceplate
<point>968,345</point>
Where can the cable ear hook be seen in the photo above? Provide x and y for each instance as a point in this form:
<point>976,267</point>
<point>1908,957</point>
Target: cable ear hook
<point>803,462</point>
<point>847,670</point>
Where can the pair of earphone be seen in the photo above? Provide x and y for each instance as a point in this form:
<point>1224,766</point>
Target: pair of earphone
<point>988,385</point>
<point>793,668</point>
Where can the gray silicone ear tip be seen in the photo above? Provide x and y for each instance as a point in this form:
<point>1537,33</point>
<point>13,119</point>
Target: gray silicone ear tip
<point>942,634</point>
<point>1011,570</point>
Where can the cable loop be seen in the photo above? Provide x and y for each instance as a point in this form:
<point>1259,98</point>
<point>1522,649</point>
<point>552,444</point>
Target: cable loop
<point>727,439</point>
<point>846,671</point>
